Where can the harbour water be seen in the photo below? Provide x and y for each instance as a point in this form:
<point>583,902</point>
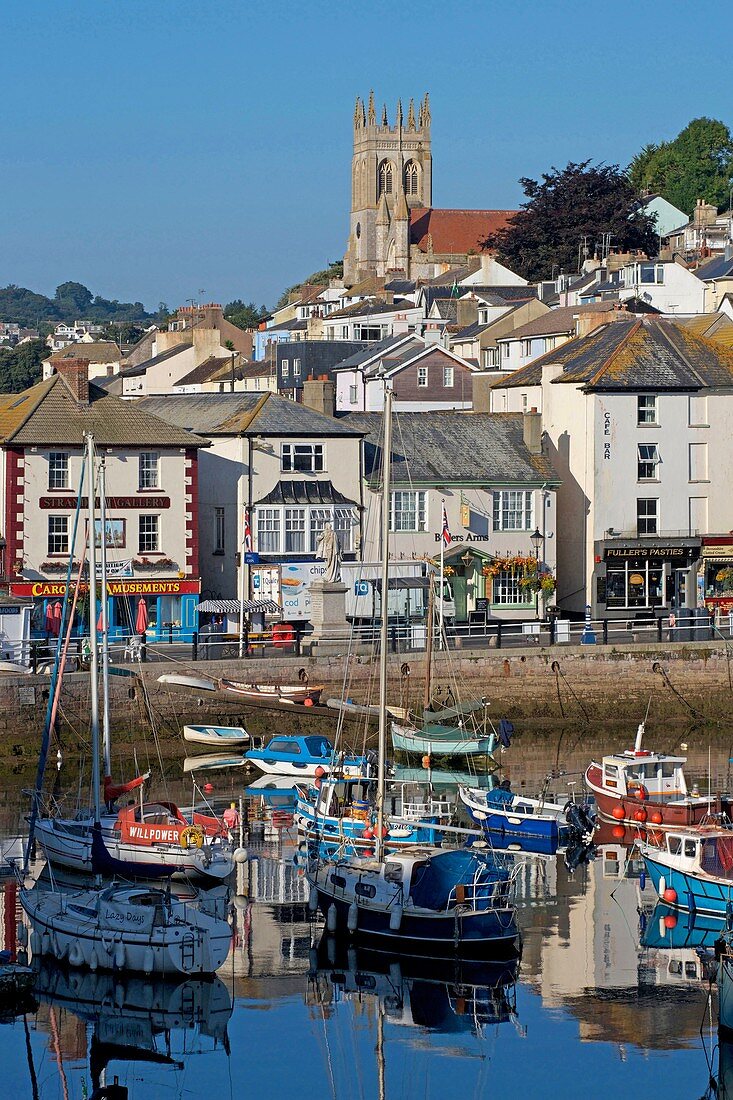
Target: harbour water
<point>609,995</point>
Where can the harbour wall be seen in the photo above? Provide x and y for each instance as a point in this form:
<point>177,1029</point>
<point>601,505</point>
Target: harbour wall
<point>680,683</point>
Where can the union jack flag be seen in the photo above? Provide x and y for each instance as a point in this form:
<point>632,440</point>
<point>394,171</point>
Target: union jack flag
<point>247,533</point>
<point>447,538</point>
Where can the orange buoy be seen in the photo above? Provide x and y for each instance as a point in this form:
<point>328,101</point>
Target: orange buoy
<point>642,794</point>
<point>318,783</point>
<point>670,921</point>
<point>369,832</point>
<point>655,818</point>
<point>670,896</point>
<point>618,813</point>
<point>640,815</point>
<point>320,772</point>
<point>368,851</point>
<point>618,832</point>
<point>308,702</point>
<point>208,787</point>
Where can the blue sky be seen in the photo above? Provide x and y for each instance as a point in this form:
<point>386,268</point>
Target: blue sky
<point>156,149</point>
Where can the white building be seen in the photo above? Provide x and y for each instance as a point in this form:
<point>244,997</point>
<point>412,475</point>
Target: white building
<point>638,418</point>
<point>667,286</point>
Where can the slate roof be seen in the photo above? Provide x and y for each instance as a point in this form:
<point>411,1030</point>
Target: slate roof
<point>716,327</point>
<point>450,448</point>
<point>48,414</point>
<point>447,308</point>
<point>556,322</point>
<point>304,492</point>
<point>400,286</point>
<point>205,371</point>
<point>212,414</point>
<point>717,268</point>
<point>454,231</point>
<point>635,354</point>
<point>100,351</point>
<point>370,350</point>
<point>470,332</point>
<point>370,306</point>
<point>141,368</point>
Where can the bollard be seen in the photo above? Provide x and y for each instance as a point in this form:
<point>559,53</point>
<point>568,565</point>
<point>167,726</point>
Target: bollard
<point>659,628</point>
<point>552,631</point>
<point>499,625</point>
<point>605,631</point>
<point>195,646</point>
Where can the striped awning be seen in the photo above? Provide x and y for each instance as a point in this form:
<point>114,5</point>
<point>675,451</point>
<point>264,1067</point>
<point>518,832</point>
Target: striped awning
<point>232,607</point>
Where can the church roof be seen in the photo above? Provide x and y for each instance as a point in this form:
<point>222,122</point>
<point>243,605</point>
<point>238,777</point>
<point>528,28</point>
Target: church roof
<point>454,231</point>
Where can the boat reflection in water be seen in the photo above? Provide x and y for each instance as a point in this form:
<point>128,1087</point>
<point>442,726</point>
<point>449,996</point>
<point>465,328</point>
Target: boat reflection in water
<point>132,1019</point>
<point>677,948</point>
<point>437,995</point>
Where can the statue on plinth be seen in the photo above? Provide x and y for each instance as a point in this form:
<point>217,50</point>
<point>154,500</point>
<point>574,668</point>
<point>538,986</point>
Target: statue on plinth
<point>329,548</point>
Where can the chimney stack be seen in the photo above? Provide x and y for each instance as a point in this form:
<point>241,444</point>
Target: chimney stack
<point>75,373</point>
<point>319,394</point>
<point>532,431</point>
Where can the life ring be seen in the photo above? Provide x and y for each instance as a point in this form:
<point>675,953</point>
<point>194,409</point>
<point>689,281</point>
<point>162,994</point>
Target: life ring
<point>192,837</point>
<point>283,635</point>
<point>638,790</point>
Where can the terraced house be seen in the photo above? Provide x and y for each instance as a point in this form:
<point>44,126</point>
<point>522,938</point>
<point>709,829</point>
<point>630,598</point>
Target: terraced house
<point>638,418</point>
<point>152,502</point>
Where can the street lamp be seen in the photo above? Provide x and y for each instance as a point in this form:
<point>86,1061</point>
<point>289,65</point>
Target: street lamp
<point>536,539</point>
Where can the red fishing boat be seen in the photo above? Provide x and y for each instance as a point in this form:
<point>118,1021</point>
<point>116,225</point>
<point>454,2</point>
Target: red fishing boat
<point>649,790</point>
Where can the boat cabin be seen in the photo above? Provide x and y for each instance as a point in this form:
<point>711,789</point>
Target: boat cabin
<point>310,748</point>
<point>661,776</point>
<point>710,851</point>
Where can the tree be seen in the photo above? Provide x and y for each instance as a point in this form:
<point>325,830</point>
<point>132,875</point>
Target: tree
<point>20,367</point>
<point>698,164</point>
<point>74,297</point>
<point>335,270</point>
<point>581,202</point>
<point>244,314</point>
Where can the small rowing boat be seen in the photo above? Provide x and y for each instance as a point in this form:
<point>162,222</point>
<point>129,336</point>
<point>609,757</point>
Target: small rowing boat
<point>304,694</point>
<point>187,680</point>
<point>216,737</point>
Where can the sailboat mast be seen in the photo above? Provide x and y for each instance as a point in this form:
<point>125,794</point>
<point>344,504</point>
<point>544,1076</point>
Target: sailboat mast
<point>93,639</point>
<point>384,632</point>
<point>106,742</point>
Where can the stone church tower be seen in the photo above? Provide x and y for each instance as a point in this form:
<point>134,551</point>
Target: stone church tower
<point>391,173</point>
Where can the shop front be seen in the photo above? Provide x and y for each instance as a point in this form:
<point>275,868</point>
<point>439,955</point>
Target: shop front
<point>715,575</point>
<point>640,578</point>
<point>164,610</point>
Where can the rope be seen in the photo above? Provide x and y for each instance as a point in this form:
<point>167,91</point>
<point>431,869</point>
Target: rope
<point>560,674</point>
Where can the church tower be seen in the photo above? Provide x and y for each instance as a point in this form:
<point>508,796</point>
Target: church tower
<point>391,172</point>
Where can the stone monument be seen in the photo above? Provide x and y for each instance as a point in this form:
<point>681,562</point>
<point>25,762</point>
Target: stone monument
<point>328,600</point>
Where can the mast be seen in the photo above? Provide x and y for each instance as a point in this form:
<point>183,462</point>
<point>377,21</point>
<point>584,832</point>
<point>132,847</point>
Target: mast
<point>384,632</point>
<point>107,747</point>
<point>429,646</point>
<point>93,639</point>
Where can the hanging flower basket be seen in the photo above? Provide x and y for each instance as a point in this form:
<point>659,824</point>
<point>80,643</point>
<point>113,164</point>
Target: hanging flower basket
<point>154,563</point>
<point>725,578</point>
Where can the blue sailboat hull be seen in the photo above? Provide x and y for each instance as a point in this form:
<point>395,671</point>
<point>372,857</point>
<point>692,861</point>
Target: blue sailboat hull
<point>488,933</point>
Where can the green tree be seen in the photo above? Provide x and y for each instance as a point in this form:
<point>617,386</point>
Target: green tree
<point>20,367</point>
<point>244,314</point>
<point>74,297</point>
<point>698,164</point>
<point>335,270</point>
<point>581,201</point>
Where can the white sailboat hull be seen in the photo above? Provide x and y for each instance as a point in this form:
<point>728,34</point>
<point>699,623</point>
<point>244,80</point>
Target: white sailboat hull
<point>69,844</point>
<point>87,930</point>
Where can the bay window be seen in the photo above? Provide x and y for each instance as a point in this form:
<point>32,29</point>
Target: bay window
<point>294,530</point>
<point>268,530</point>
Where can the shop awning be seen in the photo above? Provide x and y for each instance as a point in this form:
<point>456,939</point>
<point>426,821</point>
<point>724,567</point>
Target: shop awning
<point>232,607</point>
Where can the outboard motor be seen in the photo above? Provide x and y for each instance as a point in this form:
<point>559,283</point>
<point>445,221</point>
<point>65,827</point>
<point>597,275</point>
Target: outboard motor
<point>581,820</point>
<point>579,853</point>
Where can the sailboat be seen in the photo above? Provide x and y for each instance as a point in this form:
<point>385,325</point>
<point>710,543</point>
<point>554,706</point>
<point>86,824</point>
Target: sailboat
<point>118,927</point>
<point>143,839</point>
<point>421,899</point>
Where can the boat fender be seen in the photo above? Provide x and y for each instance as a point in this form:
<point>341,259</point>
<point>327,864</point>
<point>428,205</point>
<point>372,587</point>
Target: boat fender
<point>642,880</point>
<point>240,855</point>
<point>46,944</point>
<point>192,837</point>
<point>36,942</point>
<point>331,919</point>
<point>22,934</point>
<point>313,899</point>
<point>148,960</point>
<point>395,919</point>
<point>59,947</point>
<point>662,886</point>
<point>352,961</point>
<point>331,950</point>
<point>75,955</point>
<point>119,956</point>
<point>662,928</point>
<point>353,917</point>
<point>93,960</point>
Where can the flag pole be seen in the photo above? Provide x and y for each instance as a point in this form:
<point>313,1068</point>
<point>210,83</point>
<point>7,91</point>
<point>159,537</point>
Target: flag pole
<point>242,574</point>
